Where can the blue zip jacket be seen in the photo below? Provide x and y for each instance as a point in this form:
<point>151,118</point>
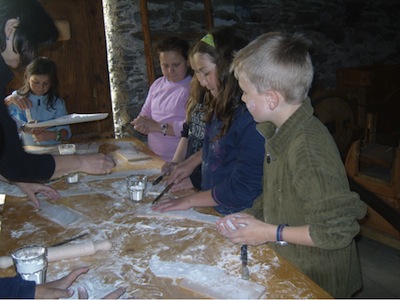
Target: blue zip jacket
<point>16,287</point>
<point>40,113</point>
<point>233,164</point>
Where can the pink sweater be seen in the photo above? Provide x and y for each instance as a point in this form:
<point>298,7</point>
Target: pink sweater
<point>166,103</point>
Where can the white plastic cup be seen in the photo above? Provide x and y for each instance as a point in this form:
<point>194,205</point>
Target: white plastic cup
<point>31,263</point>
<point>136,184</point>
<point>67,149</point>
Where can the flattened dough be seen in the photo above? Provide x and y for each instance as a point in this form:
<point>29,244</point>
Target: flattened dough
<point>209,281</point>
<point>59,214</point>
<point>146,211</point>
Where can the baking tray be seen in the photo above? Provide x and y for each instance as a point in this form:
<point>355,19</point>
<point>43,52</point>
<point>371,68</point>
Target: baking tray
<point>69,119</point>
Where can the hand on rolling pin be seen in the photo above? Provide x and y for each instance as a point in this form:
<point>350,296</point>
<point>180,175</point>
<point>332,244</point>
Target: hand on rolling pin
<point>61,288</point>
<point>31,189</point>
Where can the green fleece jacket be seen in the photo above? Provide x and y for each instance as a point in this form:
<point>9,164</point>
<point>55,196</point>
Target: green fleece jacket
<point>305,182</point>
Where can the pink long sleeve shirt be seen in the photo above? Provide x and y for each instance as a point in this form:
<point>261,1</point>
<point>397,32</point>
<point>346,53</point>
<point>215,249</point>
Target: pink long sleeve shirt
<point>166,103</point>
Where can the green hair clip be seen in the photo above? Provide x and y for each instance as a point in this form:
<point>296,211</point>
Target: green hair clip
<point>208,39</point>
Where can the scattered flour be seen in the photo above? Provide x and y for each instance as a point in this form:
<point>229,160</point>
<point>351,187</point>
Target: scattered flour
<point>143,238</point>
<point>209,281</point>
<point>27,228</point>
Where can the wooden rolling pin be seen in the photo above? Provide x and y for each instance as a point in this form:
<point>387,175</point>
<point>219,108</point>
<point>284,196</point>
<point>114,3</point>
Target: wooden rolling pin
<point>66,252</point>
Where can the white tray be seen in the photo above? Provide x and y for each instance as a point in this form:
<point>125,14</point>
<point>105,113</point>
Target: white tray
<point>69,119</point>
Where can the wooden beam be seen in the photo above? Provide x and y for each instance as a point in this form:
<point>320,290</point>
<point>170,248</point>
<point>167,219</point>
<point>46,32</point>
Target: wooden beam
<point>147,41</point>
<point>208,9</point>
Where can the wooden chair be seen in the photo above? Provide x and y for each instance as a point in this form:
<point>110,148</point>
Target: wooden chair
<point>374,172</point>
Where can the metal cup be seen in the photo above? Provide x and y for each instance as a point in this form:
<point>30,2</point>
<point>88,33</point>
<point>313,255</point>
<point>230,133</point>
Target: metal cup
<point>31,263</point>
<point>66,149</point>
<point>136,184</point>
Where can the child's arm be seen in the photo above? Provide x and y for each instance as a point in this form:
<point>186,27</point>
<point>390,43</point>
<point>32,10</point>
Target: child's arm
<point>245,229</point>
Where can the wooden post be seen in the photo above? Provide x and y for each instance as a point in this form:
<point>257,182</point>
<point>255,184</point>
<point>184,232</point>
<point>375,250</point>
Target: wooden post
<point>147,41</point>
<point>208,9</point>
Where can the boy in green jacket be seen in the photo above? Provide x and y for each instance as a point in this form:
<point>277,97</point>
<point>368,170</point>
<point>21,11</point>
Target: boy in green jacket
<point>307,210</point>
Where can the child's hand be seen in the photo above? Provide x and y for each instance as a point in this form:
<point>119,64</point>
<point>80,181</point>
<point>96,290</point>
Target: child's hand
<point>168,167</point>
<point>241,228</point>
<point>41,135</point>
<point>21,102</point>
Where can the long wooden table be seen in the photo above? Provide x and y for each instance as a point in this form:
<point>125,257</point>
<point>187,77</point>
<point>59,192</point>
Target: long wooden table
<point>107,213</point>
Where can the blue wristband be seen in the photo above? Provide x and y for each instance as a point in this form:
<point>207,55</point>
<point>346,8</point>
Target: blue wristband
<point>279,239</point>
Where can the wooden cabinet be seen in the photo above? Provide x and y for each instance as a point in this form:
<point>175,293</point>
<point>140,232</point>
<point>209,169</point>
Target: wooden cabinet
<point>82,64</point>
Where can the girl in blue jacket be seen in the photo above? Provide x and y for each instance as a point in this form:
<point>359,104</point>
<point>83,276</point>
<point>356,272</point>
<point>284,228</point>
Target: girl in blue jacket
<point>38,101</point>
<point>232,153</point>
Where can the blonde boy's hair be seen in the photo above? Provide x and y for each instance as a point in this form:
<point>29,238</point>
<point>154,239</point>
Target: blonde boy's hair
<point>277,61</point>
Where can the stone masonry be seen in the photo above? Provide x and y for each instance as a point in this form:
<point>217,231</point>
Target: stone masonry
<point>345,33</point>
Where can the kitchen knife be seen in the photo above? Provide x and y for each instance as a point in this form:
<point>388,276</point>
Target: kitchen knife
<point>70,240</point>
<point>158,179</point>
<point>169,186</point>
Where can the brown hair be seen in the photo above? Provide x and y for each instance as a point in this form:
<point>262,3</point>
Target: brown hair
<point>196,95</point>
<point>42,66</point>
<point>227,41</point>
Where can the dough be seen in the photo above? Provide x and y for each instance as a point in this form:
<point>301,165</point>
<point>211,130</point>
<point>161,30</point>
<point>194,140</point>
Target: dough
<point>132,154</point>
<point>209,281</point>
<point>59,214</point>
<point>108,148</point>
<point>146,211</point>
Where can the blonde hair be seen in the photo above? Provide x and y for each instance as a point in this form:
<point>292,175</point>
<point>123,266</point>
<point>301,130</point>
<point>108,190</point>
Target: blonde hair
<point>277,61</point>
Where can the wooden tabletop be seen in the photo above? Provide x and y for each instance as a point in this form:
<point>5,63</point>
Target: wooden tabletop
<point>103,210</point>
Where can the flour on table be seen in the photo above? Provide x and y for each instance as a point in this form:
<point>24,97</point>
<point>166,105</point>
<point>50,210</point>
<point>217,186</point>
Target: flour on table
<point>27,228</point>
<point>209,281</point>
<point>146,211</point>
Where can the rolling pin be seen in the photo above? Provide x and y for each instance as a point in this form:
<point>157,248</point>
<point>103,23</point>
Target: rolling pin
<point>85,248</point>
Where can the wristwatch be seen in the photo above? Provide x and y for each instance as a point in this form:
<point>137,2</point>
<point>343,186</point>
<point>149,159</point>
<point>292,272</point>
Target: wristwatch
<point>164,128</point>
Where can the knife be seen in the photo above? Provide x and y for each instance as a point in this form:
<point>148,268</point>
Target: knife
<point>169,186</point>
<point>77,237</point>
<point>158,179</point>
<point>243,258</point>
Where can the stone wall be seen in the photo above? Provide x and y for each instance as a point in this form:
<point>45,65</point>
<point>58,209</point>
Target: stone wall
<point>346,33</point>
